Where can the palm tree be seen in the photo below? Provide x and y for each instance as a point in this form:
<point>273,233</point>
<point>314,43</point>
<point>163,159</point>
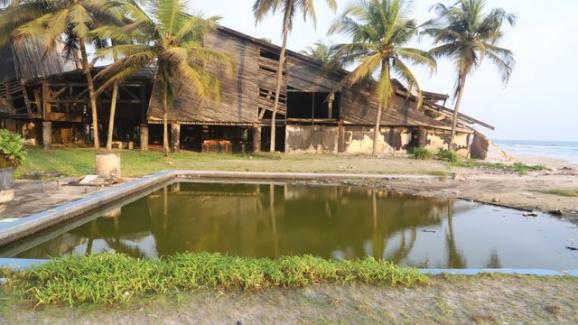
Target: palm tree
<point>325,54</point>
<point>289,8</point>
<point>379,30</point>
<point>171,40</point>
<point>53,20</point>
<point>467,35</point>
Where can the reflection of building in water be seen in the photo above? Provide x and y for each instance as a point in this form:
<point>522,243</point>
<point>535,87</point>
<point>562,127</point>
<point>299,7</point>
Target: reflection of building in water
<point>263,220</point>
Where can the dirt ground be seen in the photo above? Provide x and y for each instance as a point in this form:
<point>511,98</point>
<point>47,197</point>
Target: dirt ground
<point>454,300</point>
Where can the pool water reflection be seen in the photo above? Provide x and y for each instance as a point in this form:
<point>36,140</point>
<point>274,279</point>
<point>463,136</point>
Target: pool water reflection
<point>272,220</point>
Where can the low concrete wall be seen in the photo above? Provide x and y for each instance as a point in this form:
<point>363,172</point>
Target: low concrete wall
<point>316,139</point>
<point>359,140</point>
<point>439,139</point>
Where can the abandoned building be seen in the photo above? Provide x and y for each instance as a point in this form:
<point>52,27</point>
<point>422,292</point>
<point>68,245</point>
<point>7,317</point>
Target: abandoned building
<point>44,98</point>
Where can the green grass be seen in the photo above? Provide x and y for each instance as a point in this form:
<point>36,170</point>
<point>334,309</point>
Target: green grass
<point>519,168</point>
<point>563,192</point>
<point>111,279</point>
<point>78,162</point>
<point>421,154</point>
<point>447,155</point>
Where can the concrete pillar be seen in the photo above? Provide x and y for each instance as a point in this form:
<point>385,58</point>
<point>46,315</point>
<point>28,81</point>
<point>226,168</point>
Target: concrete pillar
<point>256,139</point>
<point>422,137</point>
<point>144,137</point>
<point>175,137</point>
<point>46,134</point>
<point>341,138</point>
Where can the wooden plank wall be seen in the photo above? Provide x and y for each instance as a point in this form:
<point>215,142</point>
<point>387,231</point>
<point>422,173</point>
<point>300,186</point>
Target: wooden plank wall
<point>239,94</point>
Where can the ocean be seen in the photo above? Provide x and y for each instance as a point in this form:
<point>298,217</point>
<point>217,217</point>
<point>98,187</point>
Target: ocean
<point>564,150</point>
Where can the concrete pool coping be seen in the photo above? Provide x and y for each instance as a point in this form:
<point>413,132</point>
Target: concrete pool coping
<point>16,229</point>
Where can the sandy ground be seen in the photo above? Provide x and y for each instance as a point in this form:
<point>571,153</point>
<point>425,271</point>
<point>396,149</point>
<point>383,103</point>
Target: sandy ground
<point>493,187</point>
<point>476,300</point>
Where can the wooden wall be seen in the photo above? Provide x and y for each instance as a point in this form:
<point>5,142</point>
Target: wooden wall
<point>239,94</point>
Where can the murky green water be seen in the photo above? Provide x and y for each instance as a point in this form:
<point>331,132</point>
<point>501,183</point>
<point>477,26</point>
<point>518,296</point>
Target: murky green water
<point>329,221</point>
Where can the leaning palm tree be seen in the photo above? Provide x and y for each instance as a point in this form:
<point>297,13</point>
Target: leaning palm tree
<point>53,20</point>
<point>172,41</point>
<point>289,8</point>
<point>467,35</point>
<point>379,30</point>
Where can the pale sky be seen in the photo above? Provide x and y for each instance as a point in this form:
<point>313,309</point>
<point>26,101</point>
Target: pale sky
<point>537,104</point>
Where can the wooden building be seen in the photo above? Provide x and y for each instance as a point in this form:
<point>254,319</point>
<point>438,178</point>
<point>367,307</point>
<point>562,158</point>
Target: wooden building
<point>45,98</point>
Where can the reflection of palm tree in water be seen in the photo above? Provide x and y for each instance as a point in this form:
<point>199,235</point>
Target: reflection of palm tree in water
<point>455,259</point>
<point>494,261</point>
<point>273,220</point>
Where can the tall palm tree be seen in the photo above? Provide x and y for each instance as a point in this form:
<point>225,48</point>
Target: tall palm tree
<point>53,20</point>
<point>467,35</point>
<point>325,54</point>
<point>171,40</point>
<point>379,30</point>
<point>289,8</point>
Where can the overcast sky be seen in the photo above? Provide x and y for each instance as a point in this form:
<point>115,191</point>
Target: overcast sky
<point>537,104</point>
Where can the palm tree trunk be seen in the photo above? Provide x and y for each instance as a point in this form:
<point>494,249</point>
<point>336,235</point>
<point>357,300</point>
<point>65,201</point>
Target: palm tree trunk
<point>384,70</point>
<point>286,21</point>
<point>112,112</point>
<point>91,92</point>
<point>112,117</point>
<point>462,82</point>
<point>377,129</point>
<point>165,118</point>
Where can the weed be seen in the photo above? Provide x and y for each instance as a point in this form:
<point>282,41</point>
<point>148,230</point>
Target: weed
<point>116,279</point>
<point>421,153</point>
<point>553,310</point>
<point>484,319</point>
<point>563,192</point>
<point>447,155</point>
<point>519,168</point>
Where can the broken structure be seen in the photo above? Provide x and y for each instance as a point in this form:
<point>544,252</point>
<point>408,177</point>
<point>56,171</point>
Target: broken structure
<point>44,97</point>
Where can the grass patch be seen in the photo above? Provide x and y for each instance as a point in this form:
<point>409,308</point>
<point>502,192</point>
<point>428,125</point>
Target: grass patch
<point>421,154</point>
<point>447,155</point>
<point>519,168</point>
<point>110,279</point>
<point>77,162</point>
<point>563,192</point>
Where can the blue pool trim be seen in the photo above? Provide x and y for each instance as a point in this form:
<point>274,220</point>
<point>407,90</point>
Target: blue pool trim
<point>17,264</point>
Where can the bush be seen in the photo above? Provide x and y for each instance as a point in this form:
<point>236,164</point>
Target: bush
<point>12,151</point>
<point>421,153</point>
<point>447,155</point>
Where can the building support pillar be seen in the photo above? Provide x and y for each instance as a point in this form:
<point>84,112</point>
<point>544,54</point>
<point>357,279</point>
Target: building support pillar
<point>176,137</point>
<point>144,137</point>
<point>257,138</point>
<point>46,134</point>
<point>422,137</point>
<point>340,137</point>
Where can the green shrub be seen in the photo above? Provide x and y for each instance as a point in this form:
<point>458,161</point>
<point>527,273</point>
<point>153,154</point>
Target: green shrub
<point>115,279</point>
<point>11,149</point>
<point>421,153</point>
<point>447,155</point>
<point>519,168</point>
